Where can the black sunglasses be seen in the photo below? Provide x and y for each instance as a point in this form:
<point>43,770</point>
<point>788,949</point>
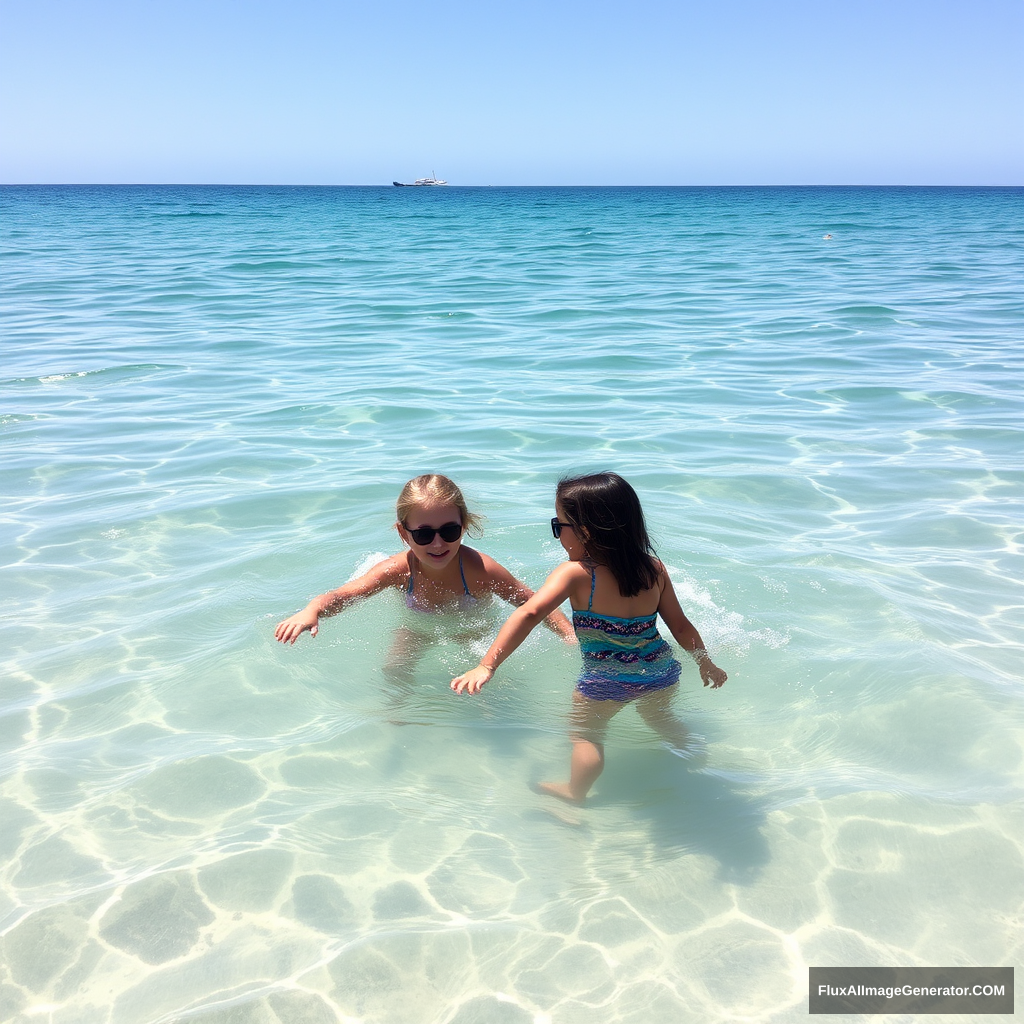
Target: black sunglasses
<point>423,536</point>
<point>557,527</point>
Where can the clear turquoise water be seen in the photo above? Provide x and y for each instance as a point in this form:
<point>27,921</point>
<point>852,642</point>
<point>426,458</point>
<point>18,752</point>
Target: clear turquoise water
<point>211,397</point>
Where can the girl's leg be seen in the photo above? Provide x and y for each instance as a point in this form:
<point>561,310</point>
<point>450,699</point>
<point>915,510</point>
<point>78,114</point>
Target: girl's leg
<point>590,720</point>
<point>407,647</point>
<point>656,710</point>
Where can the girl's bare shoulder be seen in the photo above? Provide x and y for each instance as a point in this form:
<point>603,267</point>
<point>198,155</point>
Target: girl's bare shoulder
<point>488,570</point>
<point>483,569</point>
<point>575,579</point>
<point>570,570</point>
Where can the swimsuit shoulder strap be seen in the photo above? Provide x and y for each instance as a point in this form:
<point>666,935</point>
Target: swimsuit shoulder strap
<point>463,575</point>
<point>408,589</point>
<point>593,583</point>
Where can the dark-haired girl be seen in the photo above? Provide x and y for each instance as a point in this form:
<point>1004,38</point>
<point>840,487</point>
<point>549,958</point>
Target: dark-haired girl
<point>617,589</point>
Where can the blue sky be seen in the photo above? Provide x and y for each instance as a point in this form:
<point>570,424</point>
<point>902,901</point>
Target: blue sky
<point>561,92</point>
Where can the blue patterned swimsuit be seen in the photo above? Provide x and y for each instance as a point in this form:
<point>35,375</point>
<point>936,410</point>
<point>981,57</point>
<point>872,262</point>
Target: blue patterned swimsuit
<point>622,658</point>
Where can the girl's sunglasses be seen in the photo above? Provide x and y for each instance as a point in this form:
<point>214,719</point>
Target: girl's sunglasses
<point>557,527</point>
<point>423,536</point>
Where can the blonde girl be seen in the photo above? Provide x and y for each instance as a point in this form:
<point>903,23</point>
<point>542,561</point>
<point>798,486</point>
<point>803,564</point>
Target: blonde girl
<point>437,573</point>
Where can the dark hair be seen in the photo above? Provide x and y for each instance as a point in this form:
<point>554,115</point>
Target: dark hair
<point>610,523</point>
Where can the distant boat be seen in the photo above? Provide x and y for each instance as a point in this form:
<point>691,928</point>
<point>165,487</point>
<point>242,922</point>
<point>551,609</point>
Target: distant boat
<point>422,181</point>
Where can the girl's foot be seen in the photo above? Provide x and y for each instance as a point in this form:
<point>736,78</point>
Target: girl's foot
<point>694,750</point>
<point>559,789</point>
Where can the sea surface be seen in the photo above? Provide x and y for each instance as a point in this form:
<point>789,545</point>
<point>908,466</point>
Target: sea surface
<point>211,397</point>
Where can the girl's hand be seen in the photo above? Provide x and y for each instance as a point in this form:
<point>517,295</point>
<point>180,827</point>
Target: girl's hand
<point>473,680</point>
<point>712,675</point>
<point>291,629</point>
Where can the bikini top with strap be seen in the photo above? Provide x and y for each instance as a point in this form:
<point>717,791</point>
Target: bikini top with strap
<point>616,618</point>
<point>594,629</point>
<point>465,599</point>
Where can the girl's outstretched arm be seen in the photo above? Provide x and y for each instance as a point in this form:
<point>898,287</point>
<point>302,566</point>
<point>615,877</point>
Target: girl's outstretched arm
<point>519,625</point>
<point>517,593</point>
<point>686,634</point>
<point>383,575</point>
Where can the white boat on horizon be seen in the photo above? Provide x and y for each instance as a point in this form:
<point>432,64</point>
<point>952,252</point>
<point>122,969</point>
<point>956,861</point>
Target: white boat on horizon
<point>433,180</point>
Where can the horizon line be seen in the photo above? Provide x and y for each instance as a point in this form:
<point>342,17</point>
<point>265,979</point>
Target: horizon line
<point>389,185</point>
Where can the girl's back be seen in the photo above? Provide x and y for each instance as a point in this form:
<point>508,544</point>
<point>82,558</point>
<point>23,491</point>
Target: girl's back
<point>597,590</point>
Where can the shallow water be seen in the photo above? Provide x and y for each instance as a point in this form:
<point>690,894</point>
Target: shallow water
<point>211,398</point>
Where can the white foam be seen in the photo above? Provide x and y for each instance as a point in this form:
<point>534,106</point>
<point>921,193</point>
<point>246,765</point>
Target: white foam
<point>375,558</point>
<point>718,627</point>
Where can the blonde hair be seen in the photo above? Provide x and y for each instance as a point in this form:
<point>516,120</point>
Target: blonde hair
<point>434,489</point>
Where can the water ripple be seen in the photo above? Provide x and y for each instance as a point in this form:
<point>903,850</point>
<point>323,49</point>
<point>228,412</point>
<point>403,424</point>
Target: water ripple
<point>211,397</point>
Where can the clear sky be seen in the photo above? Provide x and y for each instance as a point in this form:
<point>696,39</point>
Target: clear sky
<point>525,92</point>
